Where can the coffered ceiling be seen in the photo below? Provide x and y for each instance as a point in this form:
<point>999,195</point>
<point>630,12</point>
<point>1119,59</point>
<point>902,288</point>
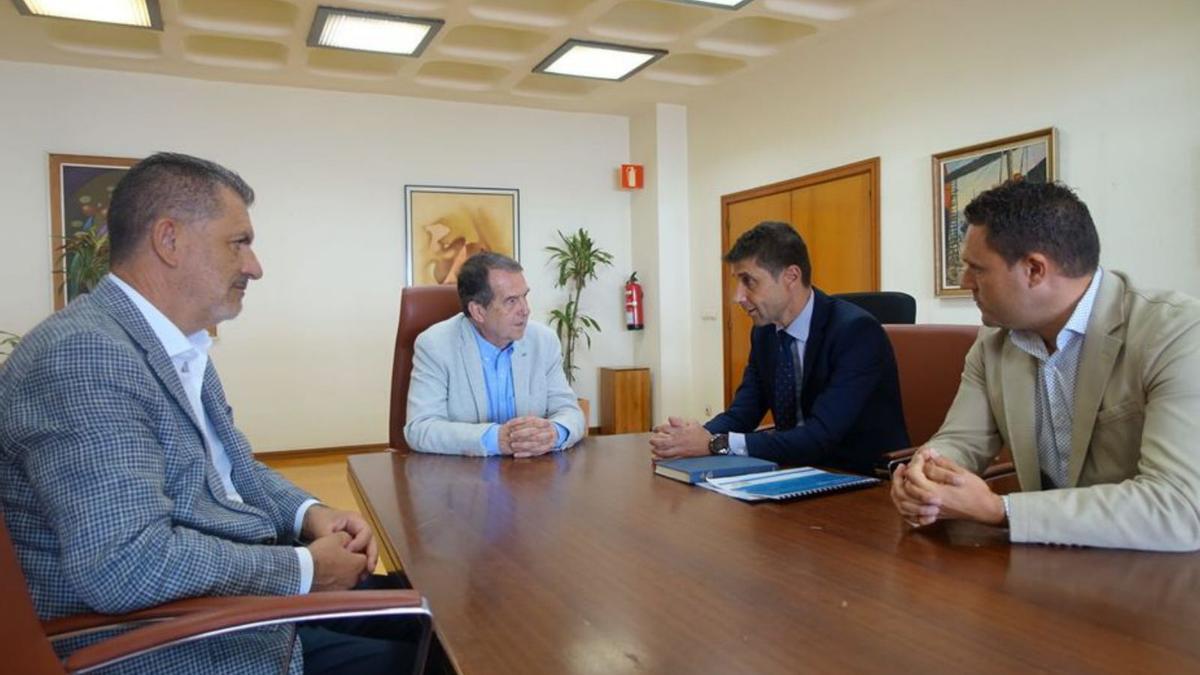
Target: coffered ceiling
<point>485,52</point>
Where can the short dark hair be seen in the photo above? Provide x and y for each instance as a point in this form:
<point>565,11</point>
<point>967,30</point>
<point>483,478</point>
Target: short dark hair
<point>775,246</point>
<point>1022,217</point>
<point>473,283</point>
<point>166,184</point>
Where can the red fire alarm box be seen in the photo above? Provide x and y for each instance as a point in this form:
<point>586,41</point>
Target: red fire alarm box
<point>632,176</point>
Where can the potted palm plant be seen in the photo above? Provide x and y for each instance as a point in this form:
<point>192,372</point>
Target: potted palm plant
<point>577,258</point>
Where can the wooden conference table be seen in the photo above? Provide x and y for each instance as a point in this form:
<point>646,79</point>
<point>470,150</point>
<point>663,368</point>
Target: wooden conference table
<point>586,562</point>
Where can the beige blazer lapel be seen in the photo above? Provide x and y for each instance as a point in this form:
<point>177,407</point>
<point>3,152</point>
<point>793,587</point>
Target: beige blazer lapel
<point>1018,376</point>
<point>1101,345</point>
<point>473,367</point>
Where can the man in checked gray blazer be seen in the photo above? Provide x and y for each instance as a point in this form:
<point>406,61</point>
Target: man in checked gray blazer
<point>123,480</point>
<point>489,381</point>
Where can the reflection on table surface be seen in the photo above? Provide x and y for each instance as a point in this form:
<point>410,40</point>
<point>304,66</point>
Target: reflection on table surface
<point>586,562</point>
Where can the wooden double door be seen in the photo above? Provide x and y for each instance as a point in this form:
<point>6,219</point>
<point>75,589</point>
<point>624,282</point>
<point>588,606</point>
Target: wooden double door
<point>837,213</point>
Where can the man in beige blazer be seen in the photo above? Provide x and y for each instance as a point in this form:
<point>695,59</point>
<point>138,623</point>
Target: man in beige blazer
<point>1093,383</point>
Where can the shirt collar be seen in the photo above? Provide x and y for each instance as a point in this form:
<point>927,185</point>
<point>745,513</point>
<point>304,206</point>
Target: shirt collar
<point>176,344</point>
<point>1083,311</point>
<point>800,326</point>
<point>1076,324</point>
<point>487,350</point>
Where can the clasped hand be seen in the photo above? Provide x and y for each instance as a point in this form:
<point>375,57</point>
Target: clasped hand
<point>679,438</point>
<point>343,547</point>
<point>932,487</point>
<point>527,437</point>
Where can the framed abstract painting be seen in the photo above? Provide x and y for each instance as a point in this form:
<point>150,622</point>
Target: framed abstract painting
<point>446,225</point>
<point>959,175</point>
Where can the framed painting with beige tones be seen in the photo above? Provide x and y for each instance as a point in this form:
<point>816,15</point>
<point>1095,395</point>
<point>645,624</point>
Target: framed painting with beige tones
<point>959,175</point>
<point>81,188</point>
<point>446,225</point>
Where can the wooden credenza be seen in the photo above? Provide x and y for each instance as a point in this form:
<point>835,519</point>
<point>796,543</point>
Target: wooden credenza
<point>624,400</point>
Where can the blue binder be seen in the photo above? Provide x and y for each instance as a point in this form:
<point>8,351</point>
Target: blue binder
<point>697,469</point>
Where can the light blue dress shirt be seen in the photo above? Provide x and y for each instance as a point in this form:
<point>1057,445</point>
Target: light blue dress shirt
<point>502,402</point>
<point>798,328</point>
<point>189,356</point>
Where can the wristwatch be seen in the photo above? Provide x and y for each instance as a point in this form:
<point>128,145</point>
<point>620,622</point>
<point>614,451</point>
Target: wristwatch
<point>719,444</point>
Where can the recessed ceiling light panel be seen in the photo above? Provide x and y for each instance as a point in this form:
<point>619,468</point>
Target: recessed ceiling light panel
<point>141,13</point>
<point>720,4</point>
<point>597,60</point>
<point>371,31</point>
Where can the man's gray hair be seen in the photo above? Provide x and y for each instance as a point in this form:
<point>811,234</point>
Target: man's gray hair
<point>166,184</point>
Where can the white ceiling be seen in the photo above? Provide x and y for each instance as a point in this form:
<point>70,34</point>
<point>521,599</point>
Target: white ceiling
<point>485,52</point>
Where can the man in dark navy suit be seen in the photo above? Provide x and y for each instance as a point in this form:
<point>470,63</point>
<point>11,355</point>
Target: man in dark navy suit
<point>822,366</point>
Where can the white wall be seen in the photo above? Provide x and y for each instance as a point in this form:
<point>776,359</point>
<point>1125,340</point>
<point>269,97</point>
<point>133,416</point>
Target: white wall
<point>1120,81</point>
<point>661,236</point>
<point>308,364</point>
<point>644,238</point>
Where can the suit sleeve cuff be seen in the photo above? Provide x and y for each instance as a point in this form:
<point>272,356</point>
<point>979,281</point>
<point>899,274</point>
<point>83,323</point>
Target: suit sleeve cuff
<point>491,440</point>
<point>304,556</point>
<point>563,434</point>
<point>737,444</point>
<point>298,525</point>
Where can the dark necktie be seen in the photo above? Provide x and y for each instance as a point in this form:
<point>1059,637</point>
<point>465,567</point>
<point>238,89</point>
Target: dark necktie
<point>785,383</point>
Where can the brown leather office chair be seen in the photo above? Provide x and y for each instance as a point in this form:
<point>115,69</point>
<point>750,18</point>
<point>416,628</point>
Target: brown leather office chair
<point>929,359</point>
<point>420,308</point>
<point>27,642</point>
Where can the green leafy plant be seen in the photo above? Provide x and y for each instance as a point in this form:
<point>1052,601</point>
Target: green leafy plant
<point>577,259</point>
<point>83,259</point>
<point>8,342</point>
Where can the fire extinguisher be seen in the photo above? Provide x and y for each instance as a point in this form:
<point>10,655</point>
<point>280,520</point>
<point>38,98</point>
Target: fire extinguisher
<point>634,318</point>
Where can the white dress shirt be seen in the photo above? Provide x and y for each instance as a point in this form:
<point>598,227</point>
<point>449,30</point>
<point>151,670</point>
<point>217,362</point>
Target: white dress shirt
<point>189,355</point>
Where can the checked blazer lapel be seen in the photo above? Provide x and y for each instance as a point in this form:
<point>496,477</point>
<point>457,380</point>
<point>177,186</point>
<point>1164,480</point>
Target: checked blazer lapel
<point>121,308</point>
<point>212,395</point>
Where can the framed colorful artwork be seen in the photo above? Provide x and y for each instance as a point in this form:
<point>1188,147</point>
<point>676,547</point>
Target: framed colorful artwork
<point>959,175</point>
<point>446,225</point>
<point>81,189</point>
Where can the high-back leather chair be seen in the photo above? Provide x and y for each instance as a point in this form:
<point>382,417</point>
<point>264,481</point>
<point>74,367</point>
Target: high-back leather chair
<point>420,308</point>
<point>886,306</point>
<point>929,358</point>
<point>27,642</point>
